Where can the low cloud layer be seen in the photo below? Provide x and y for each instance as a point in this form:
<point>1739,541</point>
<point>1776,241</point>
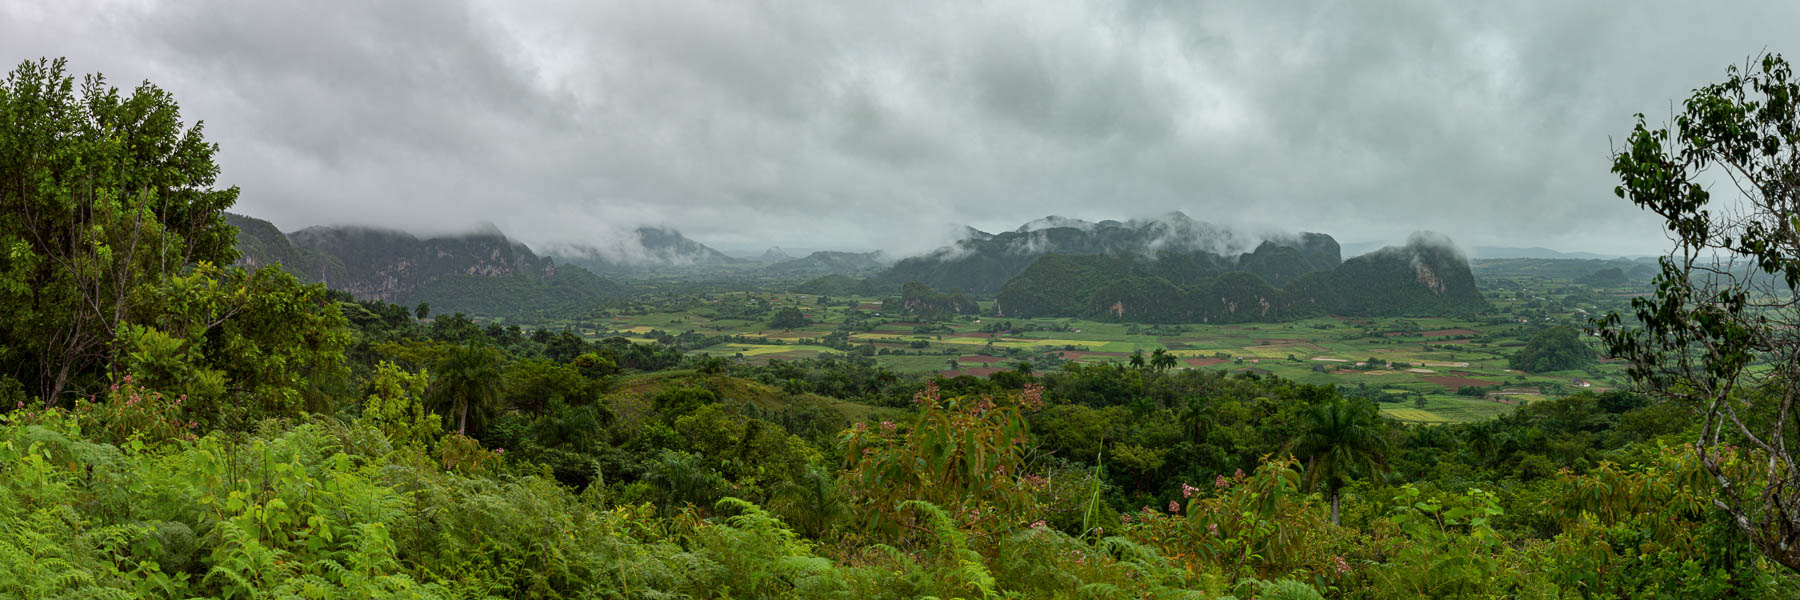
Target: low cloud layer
<point>887,125</point>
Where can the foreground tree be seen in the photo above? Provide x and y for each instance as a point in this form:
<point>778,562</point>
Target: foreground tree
<point>1721,334</point>
<point>1553,349</point>
<point>467,386</point>
<point>1342,442</point>
<point>101,196</point>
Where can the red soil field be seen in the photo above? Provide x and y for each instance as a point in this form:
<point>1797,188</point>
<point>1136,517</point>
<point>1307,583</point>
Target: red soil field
<point>1457,382</point>
<point>1205,362</point>
<point>978,358</point>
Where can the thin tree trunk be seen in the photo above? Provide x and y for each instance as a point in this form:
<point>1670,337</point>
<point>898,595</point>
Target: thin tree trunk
<point>1335,498</point>
<point>462,420</point>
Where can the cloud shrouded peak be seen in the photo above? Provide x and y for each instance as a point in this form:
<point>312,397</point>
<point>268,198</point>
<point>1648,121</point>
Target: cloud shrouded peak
<point>871,125</point>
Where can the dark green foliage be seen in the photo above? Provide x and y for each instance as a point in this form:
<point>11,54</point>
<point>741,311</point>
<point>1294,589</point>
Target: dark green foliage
<point>1607,277</point>
<point>101,196</point>
<point>1060,284</point>
<point>1342,441</point>
<point>1277,264</point>
<point>789,318</point>
<point>1426,277</point>
<point>1554,349</point>
<point>465,387</point>
<point>983,264</point>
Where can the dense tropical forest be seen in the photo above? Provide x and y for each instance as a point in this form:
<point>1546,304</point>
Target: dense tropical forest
<point>181,424</point>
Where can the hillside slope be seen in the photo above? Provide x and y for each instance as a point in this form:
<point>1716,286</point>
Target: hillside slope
<point>483,273</point>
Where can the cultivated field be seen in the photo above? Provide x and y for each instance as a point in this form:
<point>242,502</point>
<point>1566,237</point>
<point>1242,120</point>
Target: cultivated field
<point>1414,366</point>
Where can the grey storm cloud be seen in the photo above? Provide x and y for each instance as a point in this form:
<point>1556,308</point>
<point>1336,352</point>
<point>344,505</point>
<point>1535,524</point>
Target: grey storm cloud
<point>887,125</point>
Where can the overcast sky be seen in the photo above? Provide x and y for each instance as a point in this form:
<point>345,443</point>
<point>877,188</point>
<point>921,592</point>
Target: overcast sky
<point>880,125</point>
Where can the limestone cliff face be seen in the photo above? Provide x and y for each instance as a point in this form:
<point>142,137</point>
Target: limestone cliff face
<point>379,263</point>
<point>384,264</point>
<point>1429,279</point>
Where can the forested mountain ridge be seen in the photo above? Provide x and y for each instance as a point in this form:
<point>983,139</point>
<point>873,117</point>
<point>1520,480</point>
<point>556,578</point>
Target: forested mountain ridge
<point>981,265</point>
<point>483,273</point>
<point>830,262</point>
<point>1274,283</point>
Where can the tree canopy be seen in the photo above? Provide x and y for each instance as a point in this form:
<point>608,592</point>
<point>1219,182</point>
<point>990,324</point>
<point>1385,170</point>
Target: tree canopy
<point>102,195</point>
<point>1553,349</point>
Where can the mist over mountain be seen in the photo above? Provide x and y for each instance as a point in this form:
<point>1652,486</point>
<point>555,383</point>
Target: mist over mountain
<point>482,272</point>
<point>647,249</point>
<point>982,265</point>
<point>1428,275</point>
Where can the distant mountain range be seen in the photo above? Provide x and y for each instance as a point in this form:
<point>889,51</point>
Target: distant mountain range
<point>981,263</point>
<point>1171,268</point>
<point>486,273</point>
<point>828,262</point>
<point>1176,269</point>
<point>482,272</point>
<point>645,250</point>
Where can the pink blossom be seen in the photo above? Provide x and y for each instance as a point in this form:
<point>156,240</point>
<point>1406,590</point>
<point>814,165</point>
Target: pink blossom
<point>1341,566</point>
<point>1038,525</point>
<point>1174,507</point>
<point>888,426</point>
<point>1188,491</point>
<point>499,451</point>
<point>1033,397</point>
<point>1212,528</point>
<point>1125,518</point>
<point>1221,482</point>
<point>1239,475</point>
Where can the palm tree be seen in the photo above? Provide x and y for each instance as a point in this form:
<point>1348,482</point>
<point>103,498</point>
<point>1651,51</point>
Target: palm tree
<point>1137,359</point>
<point>467,384</point>
<point>811,502</point>
<point>1162,360</point>
<point>1343,440</point>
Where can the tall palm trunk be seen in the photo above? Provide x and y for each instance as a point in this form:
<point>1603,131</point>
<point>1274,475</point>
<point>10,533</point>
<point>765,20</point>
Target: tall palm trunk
<point>462,428</point>
<point>1336,498</point>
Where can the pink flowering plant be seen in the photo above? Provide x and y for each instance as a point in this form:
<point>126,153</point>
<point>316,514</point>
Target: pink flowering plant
<point>1257,525</point>
<point>127,410</point>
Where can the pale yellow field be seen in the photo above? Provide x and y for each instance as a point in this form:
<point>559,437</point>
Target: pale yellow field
<point>1414,415</point>
<point>759,349</point>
